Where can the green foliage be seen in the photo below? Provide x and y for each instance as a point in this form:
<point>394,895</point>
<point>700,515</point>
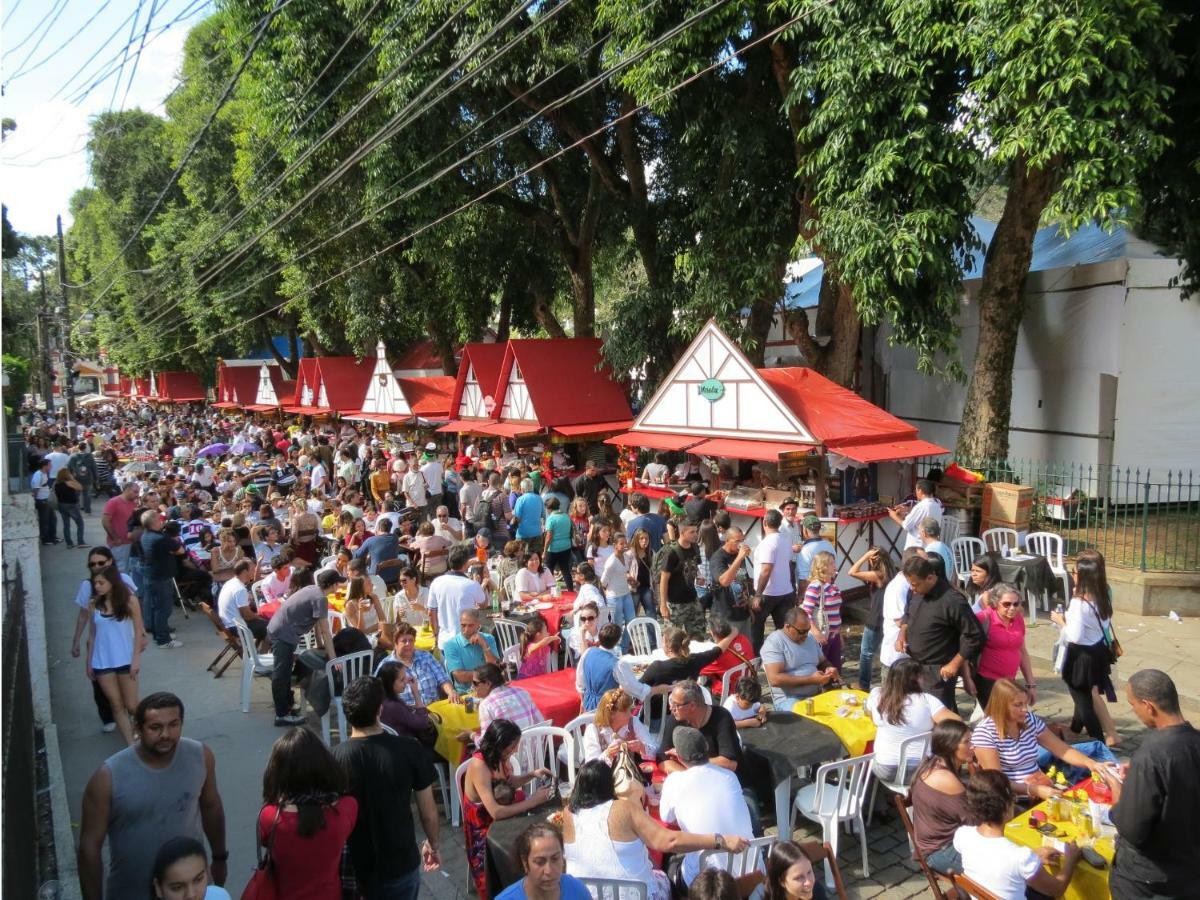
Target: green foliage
<point>16,370</point>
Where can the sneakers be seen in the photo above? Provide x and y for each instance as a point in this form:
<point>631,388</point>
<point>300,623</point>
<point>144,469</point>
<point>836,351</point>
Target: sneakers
<point>289,721</point>
<point>171,645</point>
<point>108,727</point>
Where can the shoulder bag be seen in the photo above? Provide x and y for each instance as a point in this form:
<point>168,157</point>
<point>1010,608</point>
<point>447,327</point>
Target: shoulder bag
<point>628,782</point>
<point>1111,644</point>
<point>262,884</point>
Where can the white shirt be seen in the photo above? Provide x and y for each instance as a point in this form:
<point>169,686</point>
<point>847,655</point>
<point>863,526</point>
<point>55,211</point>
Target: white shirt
<point>318,476</point>
<point>468,494</point>
<point>57,461</point>
<point>234,595</point>
<point>924,509</point>
<point>433,473</point>
<point>916,718</point>
<point>533,582</point>
<point>996,863</point>
<point>443,530</point>
<point>83,596</point>
<point>704,799</point>
<point>772,549</point>
<point>740,715</point>
<point>450,594</point>
<point>40,483</point>
<point>414,487</point>
<point>895,598</point>
<point>596,740</point>
<point>656,473</point>
<point>615,577</point>
<point>1083,623</point>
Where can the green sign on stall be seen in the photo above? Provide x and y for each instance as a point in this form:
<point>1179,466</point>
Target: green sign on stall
<point>712,390</point>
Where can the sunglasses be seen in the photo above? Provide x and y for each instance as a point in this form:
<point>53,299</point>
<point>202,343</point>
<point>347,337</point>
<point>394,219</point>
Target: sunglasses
<point>587,618</point>
<point>97,563</point>
<point>1009,604</point>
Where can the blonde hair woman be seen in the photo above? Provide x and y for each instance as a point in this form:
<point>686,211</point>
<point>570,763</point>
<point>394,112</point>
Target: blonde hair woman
<point>823,603</point>
<point>614,727</point>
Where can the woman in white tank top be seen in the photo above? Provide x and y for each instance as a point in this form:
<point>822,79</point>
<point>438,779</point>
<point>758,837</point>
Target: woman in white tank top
<point>115,645</point>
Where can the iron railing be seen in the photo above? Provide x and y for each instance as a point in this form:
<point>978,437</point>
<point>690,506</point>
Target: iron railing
<point>1138,518</point>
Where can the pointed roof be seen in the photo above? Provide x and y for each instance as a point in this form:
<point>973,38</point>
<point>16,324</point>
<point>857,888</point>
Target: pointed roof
<point>473,396</point>
<point>330,384</point>
<point>560,382</point>
<point>180,387</point>
<point>384,395</point>
<point>236,386</point>
<point>421,355</point>
<point>429,396</point>
<point>272,389</point>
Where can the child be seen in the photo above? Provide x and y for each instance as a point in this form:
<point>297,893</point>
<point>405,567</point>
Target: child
<point>535,648</point>
<point>823,603</point>
<point>744,703</point>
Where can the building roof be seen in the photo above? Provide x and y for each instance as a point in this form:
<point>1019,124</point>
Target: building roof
<point>342,381</point>
<point>421,355</point>
<point>483,361</point>
<point>559,381</point>
<point>180,387</point>
<point>429,396</point>
<point>237,384</point>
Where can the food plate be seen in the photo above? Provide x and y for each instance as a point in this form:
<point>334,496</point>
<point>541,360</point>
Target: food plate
<point>543,606</point>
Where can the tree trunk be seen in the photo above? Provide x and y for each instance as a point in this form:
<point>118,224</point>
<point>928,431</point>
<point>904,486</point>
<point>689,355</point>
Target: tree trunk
<point>504,319</point>
<point>758,324</point>
<point>988,406</point>
<point>543,311</point>
<point>834,350</point>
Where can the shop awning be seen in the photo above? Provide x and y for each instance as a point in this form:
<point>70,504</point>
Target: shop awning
<point>306,410</point>
<point>463,426</point>
<point>592,428</point>
<point>737,448</point>
<point>260,407</point>
<point>223,405</point>
<point>378,418</point>
<point>507,429</point>
<point>653,440</point>
<point>884,451</point>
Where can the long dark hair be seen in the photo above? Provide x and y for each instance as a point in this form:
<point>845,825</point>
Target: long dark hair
<point>783,856</point>
<point>943,746</point>
<point>302,771</point>
<point>885,566</point>
<point>593,785</point>
<point>903,680</point>
<point>500,734</point>
<point>1091,581</point>
<point>118,596</point>
<point>387,674</point>
<point>171,852</point>
<point>988,563</point>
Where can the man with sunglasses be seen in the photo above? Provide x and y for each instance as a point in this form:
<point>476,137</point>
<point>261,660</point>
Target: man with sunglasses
<point>99,559</point>
<point>793,661</point>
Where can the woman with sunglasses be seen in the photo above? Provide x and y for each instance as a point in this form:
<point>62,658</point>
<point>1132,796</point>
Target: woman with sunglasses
<point>1004,650</point>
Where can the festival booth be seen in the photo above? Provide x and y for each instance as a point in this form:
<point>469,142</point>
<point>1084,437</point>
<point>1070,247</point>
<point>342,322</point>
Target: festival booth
<point>329,385</point>
<point>473,401</point>
<point>273,390</point>
<point>236,386</point>
<point>428,397</point>
<point>761,435</point>
<point>178,387</point>
<point>391,402</point>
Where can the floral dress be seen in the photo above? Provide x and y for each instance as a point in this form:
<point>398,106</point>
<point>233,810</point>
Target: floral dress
<point>476,822</point>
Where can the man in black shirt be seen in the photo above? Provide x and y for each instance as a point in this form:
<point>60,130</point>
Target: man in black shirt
<point>698,507</point>
<point>677,584</point>
<point>688,707</point>
<point>939,630</point>
<point>1157,808</point>
<point>589,485</point>
<point>727,568</point>
<point>385,771</point>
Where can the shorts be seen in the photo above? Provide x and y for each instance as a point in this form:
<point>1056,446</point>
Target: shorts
<point>117,670</point>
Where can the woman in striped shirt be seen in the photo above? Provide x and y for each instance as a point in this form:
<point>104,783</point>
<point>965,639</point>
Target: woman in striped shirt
<point>823,603</point>
<point>1009,737</point>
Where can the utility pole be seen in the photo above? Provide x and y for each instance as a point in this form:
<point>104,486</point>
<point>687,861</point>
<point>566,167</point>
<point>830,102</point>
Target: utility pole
<point>46,378</point>
<point>64,324</point>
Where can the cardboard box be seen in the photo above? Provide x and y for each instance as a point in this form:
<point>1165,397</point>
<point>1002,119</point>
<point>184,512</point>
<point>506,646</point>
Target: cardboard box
<point>1008,504</point>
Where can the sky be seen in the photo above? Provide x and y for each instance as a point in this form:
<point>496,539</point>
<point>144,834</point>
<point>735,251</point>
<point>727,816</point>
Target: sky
<point>44,161</point>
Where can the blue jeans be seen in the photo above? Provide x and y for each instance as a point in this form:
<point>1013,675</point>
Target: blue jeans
<point>406,887</point>
<point>945,860</point>
<point>866,657</point>
<point>644,601</point>
<point>623,613</point>
<point>133,568</point>
<point>69,512</point>
<point>1097,750</point>
<point>160,600</point>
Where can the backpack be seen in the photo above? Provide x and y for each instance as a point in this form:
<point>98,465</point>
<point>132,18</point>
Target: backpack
<point>657,564</point>
<point>481,515</point>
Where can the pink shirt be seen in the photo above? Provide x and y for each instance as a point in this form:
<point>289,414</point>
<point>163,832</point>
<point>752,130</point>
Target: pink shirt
<point>118,510</point>
<point>1001,657</point>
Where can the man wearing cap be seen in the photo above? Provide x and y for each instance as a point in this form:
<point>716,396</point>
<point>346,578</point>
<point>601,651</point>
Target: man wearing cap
<point>307,608</point>
<point>434,475</point>
<point>702,798</point>
<point>811,543</point>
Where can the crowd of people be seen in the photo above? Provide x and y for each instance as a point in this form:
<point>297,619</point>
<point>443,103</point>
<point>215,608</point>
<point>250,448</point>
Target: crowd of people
<point>265,523</point>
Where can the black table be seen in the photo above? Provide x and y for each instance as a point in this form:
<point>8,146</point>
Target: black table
<point>503,867</point>
<point>789,743</point>
<point>1032,576</point>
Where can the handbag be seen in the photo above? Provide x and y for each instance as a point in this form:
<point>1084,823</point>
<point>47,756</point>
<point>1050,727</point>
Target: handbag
<point>628,781</point>
<point>262,884</point>
<point>1111,644</point>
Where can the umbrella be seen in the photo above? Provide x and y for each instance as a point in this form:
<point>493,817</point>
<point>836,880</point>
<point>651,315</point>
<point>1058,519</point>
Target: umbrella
<point>245,447</point>
<point>214,450</point>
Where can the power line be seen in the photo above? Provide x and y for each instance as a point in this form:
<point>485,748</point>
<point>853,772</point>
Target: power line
<point>88,61</point>
<point>34,49</point>
<point>36,28</point>
<point>138,58</point>
<point>125,53</point>
<point>57,50</point>
<point>12,12</point>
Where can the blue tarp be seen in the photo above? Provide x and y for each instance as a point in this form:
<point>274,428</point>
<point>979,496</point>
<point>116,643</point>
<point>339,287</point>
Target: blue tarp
<point>280,342</point>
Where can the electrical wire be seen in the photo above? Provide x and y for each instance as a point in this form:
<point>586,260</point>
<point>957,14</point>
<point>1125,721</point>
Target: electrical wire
<point>12,12</point>
<point>125,52</point>
<point>137,59</point>
<point>34,49</point>
<point>21,72</point>
<point>722,61</point>
<point>36,28</point>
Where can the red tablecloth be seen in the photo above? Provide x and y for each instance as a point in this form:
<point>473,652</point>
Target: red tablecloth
<point>562,608</point>
<point>266,610</point>
<point>554,694</point>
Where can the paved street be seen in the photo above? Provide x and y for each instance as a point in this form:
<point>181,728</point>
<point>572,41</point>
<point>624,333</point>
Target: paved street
<point>242,742</point>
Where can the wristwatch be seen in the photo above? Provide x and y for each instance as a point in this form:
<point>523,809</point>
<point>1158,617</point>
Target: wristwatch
<point>719,842</point>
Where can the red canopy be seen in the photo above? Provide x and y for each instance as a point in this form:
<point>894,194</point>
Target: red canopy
<point>180,387</point>
<point>736,448</point>
<point>593,428</point>
<point>344,380</point>
<point>485,360</point>
<point>653,440</point>
<point>568,382</point>
<point>429,396</point>
<point>236,385</point>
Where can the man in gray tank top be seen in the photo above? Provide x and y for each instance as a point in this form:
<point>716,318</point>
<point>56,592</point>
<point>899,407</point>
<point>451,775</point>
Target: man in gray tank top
<point>164,786</point>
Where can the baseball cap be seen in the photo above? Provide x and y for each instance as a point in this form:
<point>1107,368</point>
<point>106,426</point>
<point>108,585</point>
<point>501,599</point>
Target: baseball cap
<point>690,745</point>
<point>790,501</point>
<point>327,578</point>
<point>812,523</point>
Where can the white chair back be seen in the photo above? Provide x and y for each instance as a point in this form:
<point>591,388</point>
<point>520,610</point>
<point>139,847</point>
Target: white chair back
<point>337,621</point>
<point>752,859</point>
<point>253,662</point>
<point>351,666</point>
<point>308,640</point>
<point>575,729</point>
<point>507,633</point>
<point>731,677</point>
<point>966,551</point>
<point>327,562</point>
<point>644,635</point>
<point>842,785</point>
<point>539,750</point>
<point>1001,540</point>
<point>615,888</point>
<point>1047,544</point>
<point>949,529</point>
<point>510,588</point>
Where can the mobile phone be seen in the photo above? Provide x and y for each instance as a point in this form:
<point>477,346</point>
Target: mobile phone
<point>1092,858</point>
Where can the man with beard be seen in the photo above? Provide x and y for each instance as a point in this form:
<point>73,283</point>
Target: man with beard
<point>162,787</point>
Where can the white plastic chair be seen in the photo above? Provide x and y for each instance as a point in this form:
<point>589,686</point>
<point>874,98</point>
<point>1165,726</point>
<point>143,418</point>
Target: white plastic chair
<point>510,588</point>
<point>308,640</point>
<point>752,859</point>
<point>458,791</point>
<point>537,750</point>
<point>966,551</point>
<point>904,772</point>
<point>639,631</point>
<point>949,529</point>
<point>645,715</point>
<point>507,633</point>
<point>254,662</point>
<point>353,665</point>
<point>256,590</point>
<point>730,679</point>
<point>836,797</point>
<point>327,562</point>
<point>1050,545</point>
<point>337,620</point>
<point>615,888</point>
<point>1001,540</point>
<point>575,729</point>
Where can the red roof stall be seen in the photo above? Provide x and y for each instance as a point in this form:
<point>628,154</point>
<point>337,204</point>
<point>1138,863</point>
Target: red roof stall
<point>272,389</point>
<point>126,387</point>
<point>429,396</point>
<point>473,399</point>
<point>180,387</point>
<point>383,402</point>
<point>330,384</point>
<point>140,388</point>
<point>237,386</point>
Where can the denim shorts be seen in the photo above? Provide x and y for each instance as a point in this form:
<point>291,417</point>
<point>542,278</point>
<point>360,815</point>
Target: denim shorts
<point>118,670</point>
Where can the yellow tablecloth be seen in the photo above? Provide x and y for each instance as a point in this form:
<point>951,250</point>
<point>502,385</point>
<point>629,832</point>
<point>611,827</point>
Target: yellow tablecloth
<point>454,721</point>
<point>1087,883</point>
<point>856,730</point>
<point>426,642</point>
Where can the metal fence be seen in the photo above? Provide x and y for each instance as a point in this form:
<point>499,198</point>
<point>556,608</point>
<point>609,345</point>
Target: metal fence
<point>1138,518</point>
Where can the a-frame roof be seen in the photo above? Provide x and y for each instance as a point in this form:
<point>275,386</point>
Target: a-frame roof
<point>559,381</point>
<point>478,372</point>
<point>236,385</point>
<point>384,395</point>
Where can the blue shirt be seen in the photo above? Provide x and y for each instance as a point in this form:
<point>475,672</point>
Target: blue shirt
<point>377,549</point>
<point>655,525</point>
<point>427,670</point>
<point>598,677</point>
<point>461,655</point>
<point>571,888</point>
<point>942,549</point>
<point>558,526</point>
<point>528,509</point>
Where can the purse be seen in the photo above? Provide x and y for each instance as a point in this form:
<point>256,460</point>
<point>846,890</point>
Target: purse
<point>1111,644</point>
<point>628,781</point>
<point>262,884</point>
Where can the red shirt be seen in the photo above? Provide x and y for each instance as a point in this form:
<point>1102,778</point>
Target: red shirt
<point>728,660</point>
<point>307,868</point>
<point>1001,656</point>
<point>118,510</point>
